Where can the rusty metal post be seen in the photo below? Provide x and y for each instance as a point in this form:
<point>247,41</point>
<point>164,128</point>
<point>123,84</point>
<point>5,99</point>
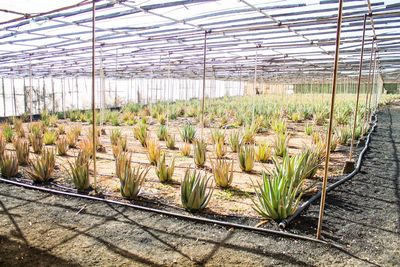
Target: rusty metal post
<point>204,83</point>
<point>358,89</point>
<point>94,134</point>
<point>327,152</point>
<point>369,84</point>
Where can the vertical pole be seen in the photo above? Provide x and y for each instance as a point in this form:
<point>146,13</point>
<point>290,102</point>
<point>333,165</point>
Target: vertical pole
<point>358,89</point>
<point>62,96</point>
<point>254,86</point>
<point>44,95</point>
<point>369,83</point>
<point>53,96</point>
<point>14,97</point>
<point>116,80</point>
<point>94,134</point>
<point>327,152</point>
<point>204,82</point>
<point>77,93</point>
<point>4,97</point>
<point>30,88</point>
<point>372,88</point>
<point>25,98</point>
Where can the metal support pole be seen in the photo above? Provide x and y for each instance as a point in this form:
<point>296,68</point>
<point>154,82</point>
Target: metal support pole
<point>77,93</point>
<point>372,88</point>
<point>369,83</point>
<point>4,97</point>
<point>14,97</point>
<point>30,88</point>
<point>53,96</point>
<point>358,89</point>
<point>254,86</point>
<point>204,83</point>
<point>328,145</point>
<point>94,134</point>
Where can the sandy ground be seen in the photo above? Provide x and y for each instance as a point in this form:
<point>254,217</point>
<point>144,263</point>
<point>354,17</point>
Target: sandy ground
<point>362,216</point>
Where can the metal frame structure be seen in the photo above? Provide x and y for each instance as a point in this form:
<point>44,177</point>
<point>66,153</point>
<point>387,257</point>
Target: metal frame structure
<point>299,35</point>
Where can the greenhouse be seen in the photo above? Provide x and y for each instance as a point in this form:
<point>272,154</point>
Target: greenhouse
<point>199,132</point>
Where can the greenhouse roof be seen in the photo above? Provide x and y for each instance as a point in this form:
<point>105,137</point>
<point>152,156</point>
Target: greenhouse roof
<point>157,38</point>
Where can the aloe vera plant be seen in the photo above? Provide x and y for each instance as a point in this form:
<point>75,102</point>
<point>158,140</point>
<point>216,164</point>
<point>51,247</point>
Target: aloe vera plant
<point>220,149</point>
<point>162,133</point>
<point>8,132</point>
<point>170,141</point>
<point>199,149</point>
<point>277,197</point>
<point>246,158</point>
<point>188,133</point>
<point>281,141</point>
<point>62,146</point>
<point>42,167</point>
<point>153,151</point>
<point>79,172</point>
<point>263,153</point>
<point>115,136</point>
<point>9,165</point>
<point>234,141</point>
<point>217,136</point>
<point>185,149</point>
<point>195,193</point>
<point>22,150</point>
<point>49,138</point>
<point>140,133</point>
<point>36,140</point>
<point>164,172</point>
<point>3,144</point>
<point>223,172</point>
<point>131,181</point>
<point>122,161</point>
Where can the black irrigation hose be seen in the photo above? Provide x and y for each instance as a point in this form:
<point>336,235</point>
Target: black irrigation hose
<point>172,214</point>
<point>283,224</point>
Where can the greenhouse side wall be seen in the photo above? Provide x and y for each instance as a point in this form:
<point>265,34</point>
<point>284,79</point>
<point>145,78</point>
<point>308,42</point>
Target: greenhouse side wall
<point>64,94</point>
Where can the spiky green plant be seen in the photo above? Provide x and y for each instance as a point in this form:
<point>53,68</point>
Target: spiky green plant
<point>170,141</point>
<point>9,165</point>
<point>217,136</point>
<point>162,118</point>
<point>223,172</point>
<point>132,180</point>
<point>19,127</point>
<point>249,133</point>
<point>279,126</point>
<point>188,133</point>
<point>115,136</point>
<point>309,129</point>
<point>22,150</point>
<point>162,133</point>
<point>122,161</point>
<point>36,141</point>
<point>140,133</point>
<point>194,192</point>
<point>199,148</point>
<point>246,158</point>
<point>343,134</point>
<point>164,172</point>
<point>8,132</point>
<point>186,149</point>
<point>263,153</point>
<point>281,142</point>
<point>220,149</point>
<point>62,146</point>
<point>79,172</point>
<point>42,167</point>
<point>49,138</point>
<point>276,197</point>
<point>153,151</point>
<point>234,141</point>
<point>3,144</point>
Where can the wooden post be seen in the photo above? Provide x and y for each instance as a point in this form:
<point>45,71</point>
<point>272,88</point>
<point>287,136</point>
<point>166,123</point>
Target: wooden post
<point>358,89</point>
<point>14,97</point>
<point>94,134</point>
<point>4,97</point>
<point>204,83</point>
<point>53,98</point>
<point>328,145</point>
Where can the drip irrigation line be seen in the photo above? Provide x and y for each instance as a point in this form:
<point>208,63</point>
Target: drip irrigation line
<point>172,214</point>
<point>283,224</point>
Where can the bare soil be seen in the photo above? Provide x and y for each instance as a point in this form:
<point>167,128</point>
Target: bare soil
<point>362,216</point>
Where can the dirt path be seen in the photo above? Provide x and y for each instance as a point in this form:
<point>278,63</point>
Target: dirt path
<point>362,216</point>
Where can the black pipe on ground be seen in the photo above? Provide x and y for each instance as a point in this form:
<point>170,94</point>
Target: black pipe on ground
<point>283,224</point>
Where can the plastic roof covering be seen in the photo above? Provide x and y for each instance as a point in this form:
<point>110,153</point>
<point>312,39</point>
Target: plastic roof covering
<point>154,38</point>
